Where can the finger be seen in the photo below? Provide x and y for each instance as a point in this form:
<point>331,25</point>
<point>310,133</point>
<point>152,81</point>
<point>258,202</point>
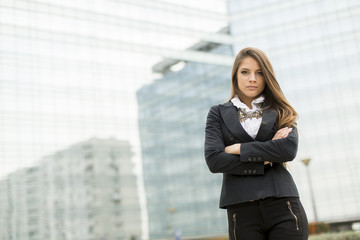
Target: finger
<point>283,130</point>
<point>283,135</point>
<point>278,134</point>
<point>288,131</point>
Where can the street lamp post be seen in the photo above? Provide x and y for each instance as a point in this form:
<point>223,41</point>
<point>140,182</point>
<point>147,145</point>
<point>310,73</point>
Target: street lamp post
<point>306,163</point>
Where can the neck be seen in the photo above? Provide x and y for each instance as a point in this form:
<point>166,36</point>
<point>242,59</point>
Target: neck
<point>247,101</point>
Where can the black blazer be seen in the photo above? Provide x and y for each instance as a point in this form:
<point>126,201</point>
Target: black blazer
<point>245,177</point>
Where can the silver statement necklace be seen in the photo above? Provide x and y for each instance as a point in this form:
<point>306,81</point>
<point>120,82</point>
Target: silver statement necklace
<point>243,115</point>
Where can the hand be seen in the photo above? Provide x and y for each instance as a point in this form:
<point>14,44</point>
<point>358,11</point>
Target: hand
<point>233,149</point>
<point>267,162</point>
<point>282,133</point>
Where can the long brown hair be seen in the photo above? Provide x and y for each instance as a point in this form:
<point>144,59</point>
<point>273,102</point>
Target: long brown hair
<point>273,94</point>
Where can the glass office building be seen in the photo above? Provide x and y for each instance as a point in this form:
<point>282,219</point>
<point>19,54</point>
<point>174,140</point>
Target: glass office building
<point>69,70</point>
<point>314,47</point>
<point>181,194</point>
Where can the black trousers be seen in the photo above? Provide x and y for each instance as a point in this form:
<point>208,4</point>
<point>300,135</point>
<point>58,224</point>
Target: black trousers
<point>268,219</point>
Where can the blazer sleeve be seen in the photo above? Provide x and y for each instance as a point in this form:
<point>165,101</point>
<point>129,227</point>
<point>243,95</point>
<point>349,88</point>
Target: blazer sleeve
<point>279,151</point>
<point>217,159</point>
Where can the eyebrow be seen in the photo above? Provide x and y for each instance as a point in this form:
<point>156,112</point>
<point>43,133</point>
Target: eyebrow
<point>249,69</point>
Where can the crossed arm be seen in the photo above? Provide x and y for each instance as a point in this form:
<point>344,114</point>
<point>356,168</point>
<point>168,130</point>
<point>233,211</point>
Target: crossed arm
<point>236,158</point>
<point>280,134</point>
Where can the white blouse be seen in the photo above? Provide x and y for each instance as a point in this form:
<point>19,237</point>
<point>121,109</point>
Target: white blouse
<point>252,125</point>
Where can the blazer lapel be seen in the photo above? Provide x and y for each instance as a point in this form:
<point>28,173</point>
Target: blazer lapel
<point>229,114</point>
<point>269,117</point>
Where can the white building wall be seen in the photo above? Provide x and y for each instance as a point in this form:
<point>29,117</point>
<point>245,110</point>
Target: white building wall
<point>87,191</point>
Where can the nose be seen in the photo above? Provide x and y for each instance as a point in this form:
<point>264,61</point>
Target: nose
<point>252,77</point>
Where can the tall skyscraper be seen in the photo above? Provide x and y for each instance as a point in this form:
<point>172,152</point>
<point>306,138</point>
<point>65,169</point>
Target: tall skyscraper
<point>314,48</point>
<point>181,194</point>
<point>87,191</point>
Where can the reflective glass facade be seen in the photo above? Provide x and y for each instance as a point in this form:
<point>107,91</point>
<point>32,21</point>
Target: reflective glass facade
<point>181,194</point>
<point>69,71</point>
<point>314,47</point>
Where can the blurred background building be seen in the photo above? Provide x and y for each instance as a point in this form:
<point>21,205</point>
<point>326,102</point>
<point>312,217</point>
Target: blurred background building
<point>87,191</point>
<point>314,47</point>
<point>180,192</point>
<point>146,73</point>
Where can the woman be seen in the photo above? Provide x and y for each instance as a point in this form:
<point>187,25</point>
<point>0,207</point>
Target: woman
<point>249,139</point>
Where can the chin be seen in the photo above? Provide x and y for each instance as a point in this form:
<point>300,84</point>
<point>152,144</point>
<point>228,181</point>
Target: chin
<point>253,95</point>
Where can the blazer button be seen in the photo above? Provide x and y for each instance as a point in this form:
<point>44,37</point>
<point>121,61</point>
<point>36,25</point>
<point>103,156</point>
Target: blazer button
<point>254,159</point>
<point>249,159</point>
<point>245,171</point>
<point>254,171</point>
<point>231,138</point>
<point>259,159</point>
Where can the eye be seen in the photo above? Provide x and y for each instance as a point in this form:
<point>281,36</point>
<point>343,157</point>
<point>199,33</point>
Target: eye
<point>244,72</point>
<point>260,73</point>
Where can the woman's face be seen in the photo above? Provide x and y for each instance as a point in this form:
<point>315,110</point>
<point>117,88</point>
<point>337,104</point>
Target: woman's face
<point>250,80</point>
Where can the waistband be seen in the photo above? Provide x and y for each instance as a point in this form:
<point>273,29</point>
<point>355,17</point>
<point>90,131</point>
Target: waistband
<point>258,202</point>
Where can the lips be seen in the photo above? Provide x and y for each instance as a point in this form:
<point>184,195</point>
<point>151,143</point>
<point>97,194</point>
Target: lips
<point>251,87</point>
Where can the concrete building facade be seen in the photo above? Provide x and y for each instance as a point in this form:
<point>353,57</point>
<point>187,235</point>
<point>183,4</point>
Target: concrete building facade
<point>87,191</point>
